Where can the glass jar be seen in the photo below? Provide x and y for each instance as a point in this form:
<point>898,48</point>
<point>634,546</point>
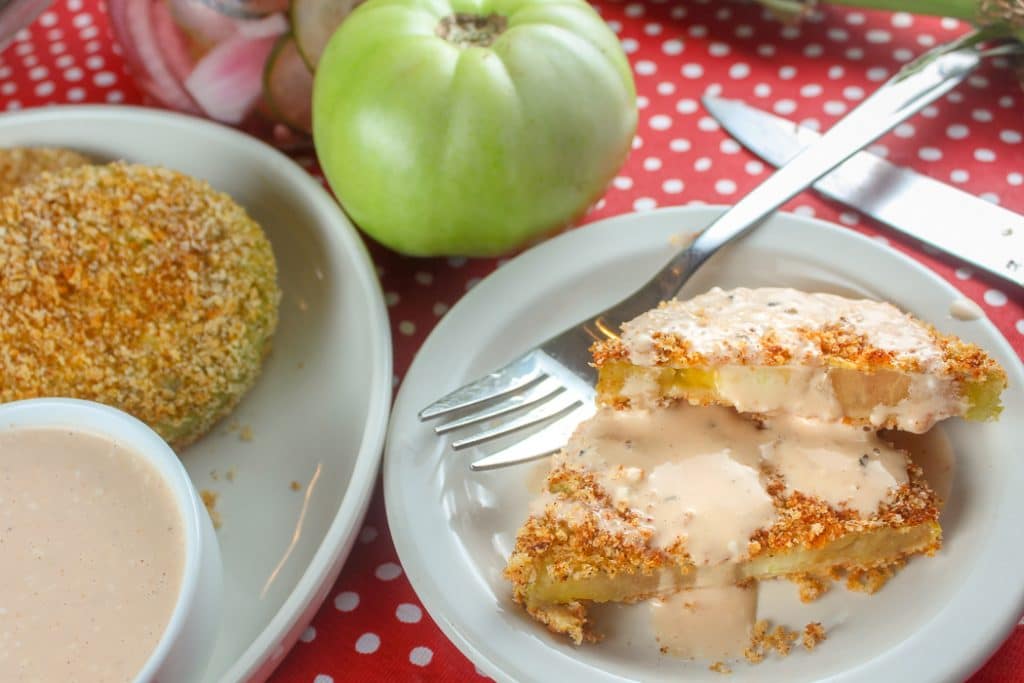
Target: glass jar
<point>248,63</point>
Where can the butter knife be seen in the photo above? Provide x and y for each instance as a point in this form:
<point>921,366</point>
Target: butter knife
<point>963,225</point>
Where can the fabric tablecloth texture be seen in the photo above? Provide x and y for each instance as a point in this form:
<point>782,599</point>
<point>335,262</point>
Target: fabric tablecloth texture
<point>372,626</point>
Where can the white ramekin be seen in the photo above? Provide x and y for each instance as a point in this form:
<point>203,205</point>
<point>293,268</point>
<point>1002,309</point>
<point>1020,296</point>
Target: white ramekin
<point>187,642</point>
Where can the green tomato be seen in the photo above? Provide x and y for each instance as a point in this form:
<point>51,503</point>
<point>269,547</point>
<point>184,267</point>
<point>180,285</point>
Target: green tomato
<point>470,127</point>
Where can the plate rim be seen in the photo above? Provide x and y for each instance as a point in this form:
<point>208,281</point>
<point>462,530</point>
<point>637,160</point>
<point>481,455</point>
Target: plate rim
<point>418,576</point>
<point>303,601</point>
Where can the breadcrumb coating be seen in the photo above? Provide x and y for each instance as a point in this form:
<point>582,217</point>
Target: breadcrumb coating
<point>138,287</point>
<point>21,165</point>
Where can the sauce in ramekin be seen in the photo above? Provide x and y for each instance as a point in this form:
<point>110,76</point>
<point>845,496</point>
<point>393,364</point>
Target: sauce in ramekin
<point>93,553</point>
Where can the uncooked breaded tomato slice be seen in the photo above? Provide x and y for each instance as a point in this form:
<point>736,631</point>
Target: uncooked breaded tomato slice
<point>21,165</point>
<point>138,287</point>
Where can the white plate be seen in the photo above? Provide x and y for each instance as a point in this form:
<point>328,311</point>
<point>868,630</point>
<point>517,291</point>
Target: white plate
<point>936,621</point>
<point>319,410</point>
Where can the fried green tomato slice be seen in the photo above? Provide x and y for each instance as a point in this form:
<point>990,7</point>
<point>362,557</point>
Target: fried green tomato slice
<point>21,165</point>
<point>134,286</point>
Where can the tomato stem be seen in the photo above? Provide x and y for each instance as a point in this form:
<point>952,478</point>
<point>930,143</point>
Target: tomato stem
<point>471,30</point>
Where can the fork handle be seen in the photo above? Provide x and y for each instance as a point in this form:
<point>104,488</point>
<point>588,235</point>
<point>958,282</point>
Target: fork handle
<point>918,84</point>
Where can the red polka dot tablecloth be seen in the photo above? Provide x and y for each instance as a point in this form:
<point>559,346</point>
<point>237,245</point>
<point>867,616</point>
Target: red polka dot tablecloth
<point>372,626</point>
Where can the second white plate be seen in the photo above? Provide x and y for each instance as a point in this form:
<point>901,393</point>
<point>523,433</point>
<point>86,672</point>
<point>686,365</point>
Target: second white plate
<point>937,620</point>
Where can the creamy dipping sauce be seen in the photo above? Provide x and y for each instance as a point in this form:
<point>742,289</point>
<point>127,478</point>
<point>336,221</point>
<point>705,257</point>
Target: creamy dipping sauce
<point>700,475</point>
<point>705,623</point>
<point>93,557</point>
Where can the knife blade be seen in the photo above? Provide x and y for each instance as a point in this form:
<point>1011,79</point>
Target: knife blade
<point>965,226</point>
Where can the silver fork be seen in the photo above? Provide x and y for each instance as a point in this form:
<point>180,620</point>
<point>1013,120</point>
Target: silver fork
<point>556,380</point>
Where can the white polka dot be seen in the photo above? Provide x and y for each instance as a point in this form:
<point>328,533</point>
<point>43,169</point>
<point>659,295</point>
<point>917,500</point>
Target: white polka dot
<point>902,54</point>
<point>983,115</point>
<point>63,62</point>
<point>904,130</point>
<point>76,95</point>
<point>38,73</point>
<point>963,273</point>
<point>94,62</point>
<point>853,92</point>
<point>74,5</point>
<point>388,571</point>
<point>790,32</point>
<point>950,24</point>
<point>644,204</point>
<point>881,238</point>
<point>725,186</point>
<point>838,35</point>
<point>766,50</point>
<point>930,112</point>
<point>424,278</point>
<point>642,102</point>
<point>391,298</point>
<point>902,20</point>
<point>804,210</point>
<point>810,90</point>
<point>990,197</point>
<point>672,186</point>
<point>834,108</point>
<point>855,18</point>
<point>698,31</point>
<point>687,106</point>
<point>812,123</point>
<point>729,146</point>
<point>652,29</point>
<point>634,9</point>
<point>739,70</point>
<point>753,167</point>
<point>702,164</point>
<point>1020,325</point>
<point>718,49</point>
<point>55,34</point>
<point>993,297</point>
<point>82,20</point>
<point>707,124</point>
<point>672,47</point>
<point>957,131</point>
<point>877,73</point>
<point>45,88</point>
<point>762,90</point>
<point>787,72</point>
<point>368,534</point>
<point>323,678</point>
<point>645,67</point>
<point>440,308</point>
<point>1015,178</point>
<point>407,613</point>
<point>813,50</point>
<point>836,72</point>
<point>615,26</point>
<point>958,175</point>
<point>666,88</point>
<point>629,45</point>
<point>955,97</point>
<point>1006,102</point>
<point>309,635</point>
<point>421,656</point>
<point>678,12</point>
<point>692,70</point>
<point>652,164</point>
<point>1010,137</point>
<point>679,145</point>
<point>984,155</point>
<point>638,142</point>
<point>346,602</point>
<point>24,49</point>
<point>929,153</point>
<point>744,31</point>
<point>785,107</point>
<point>622,182</point>
<point>877,35</point>
<point>848,218</point>
<point>104,78</point>
<point>660,122</point>
<point>978,81</point>
<point>368,643</point>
